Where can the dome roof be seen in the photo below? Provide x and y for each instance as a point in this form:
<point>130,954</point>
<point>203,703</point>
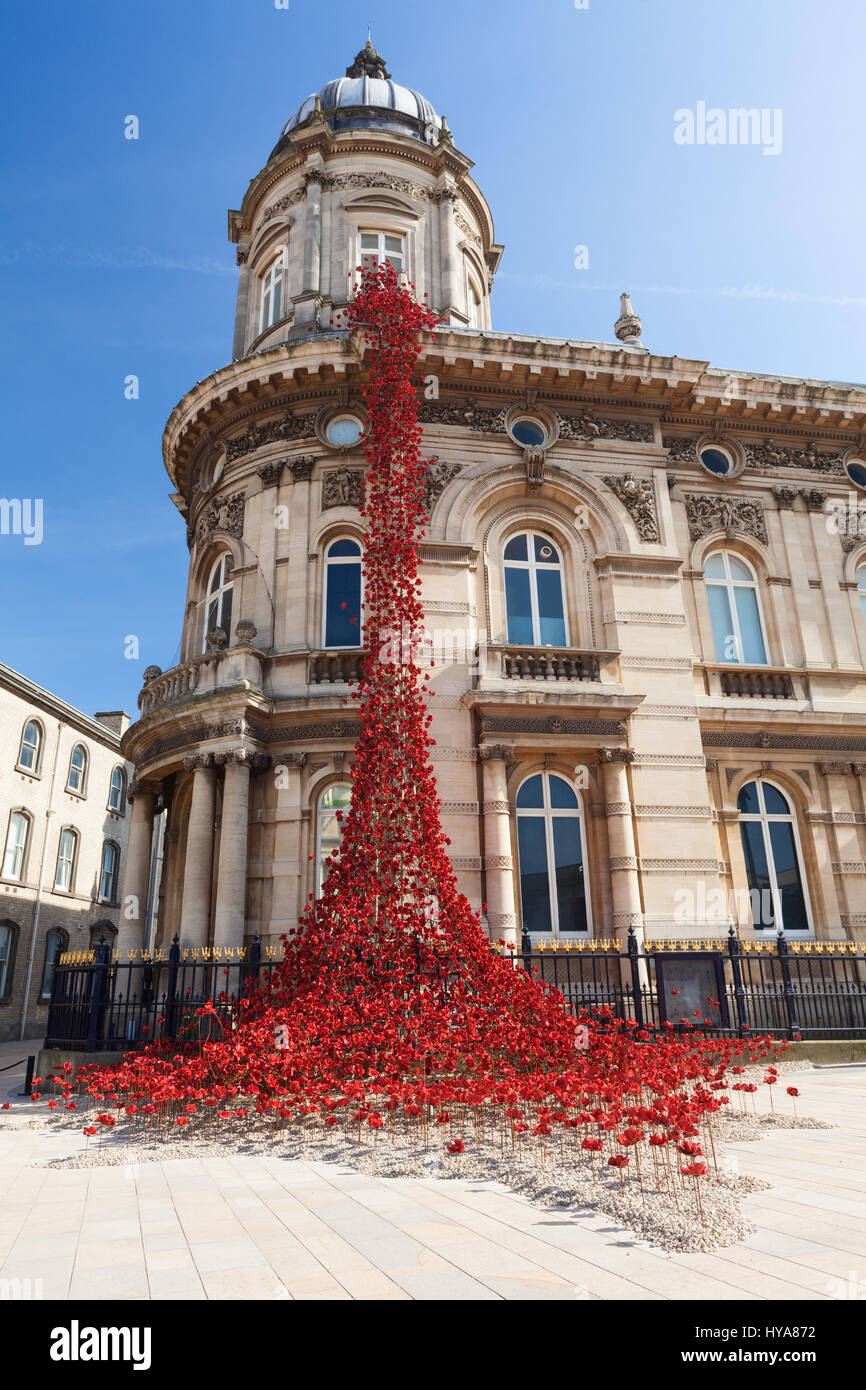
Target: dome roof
<point>366,98</point>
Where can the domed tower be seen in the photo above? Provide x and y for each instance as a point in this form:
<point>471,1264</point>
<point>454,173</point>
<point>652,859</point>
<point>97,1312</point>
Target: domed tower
<point>365,167</point>
<point>245,745</point>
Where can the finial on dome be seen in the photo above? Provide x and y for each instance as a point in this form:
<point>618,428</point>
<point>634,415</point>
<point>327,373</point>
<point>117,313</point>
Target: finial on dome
<point>628,326</point>
<point>444,137</point>
<point>368,63</point>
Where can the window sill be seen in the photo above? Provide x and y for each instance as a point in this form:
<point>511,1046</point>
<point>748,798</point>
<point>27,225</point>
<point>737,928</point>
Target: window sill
<point>28,772</point>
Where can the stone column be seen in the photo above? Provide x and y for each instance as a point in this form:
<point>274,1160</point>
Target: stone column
<point>198,863</point>
<point>242,306</point>
<point>851,866</point>
<point>288,854</point>
<point>136,876</point>
<point>231,892</point>
<point>625,885</point>
<point>498,860</point>
<point>451,295</point>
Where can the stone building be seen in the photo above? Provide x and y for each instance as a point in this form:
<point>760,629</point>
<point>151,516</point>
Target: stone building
<point>644,582</point>
<point>64,818</point>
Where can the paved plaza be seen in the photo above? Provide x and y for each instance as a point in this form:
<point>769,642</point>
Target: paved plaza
<point>265,1228</point>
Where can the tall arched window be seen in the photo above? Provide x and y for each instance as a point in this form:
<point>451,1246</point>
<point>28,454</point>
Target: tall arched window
<point>77,769</point>
<point>554,894</point>
<point>342,603</point>
<point>67,850</point>
<point>219,598</point>
<point>773,862</point>
<point>861,586</point>
<point>31,746</point>
<point>735,610</point>
<point>56,942</point>
<point>8,936</point>
<point>108,872</point>
<point>533,592</point>
<point>329,831</point>
<point>117,791</point>
<point>15,856</point>
<point>272,295</point>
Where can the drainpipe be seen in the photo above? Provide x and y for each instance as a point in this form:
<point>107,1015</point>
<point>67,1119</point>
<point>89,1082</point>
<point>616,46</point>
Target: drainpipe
<point>48,814</point>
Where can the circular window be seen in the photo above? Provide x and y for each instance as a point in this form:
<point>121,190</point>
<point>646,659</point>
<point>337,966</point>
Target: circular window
<point>218,471</point>
<point>344,430</point>
<point>717,461</point>
<point>530,433</point>
<point>856,470</point>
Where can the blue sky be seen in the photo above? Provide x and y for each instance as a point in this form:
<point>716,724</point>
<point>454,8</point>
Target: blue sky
<point>114,257</point>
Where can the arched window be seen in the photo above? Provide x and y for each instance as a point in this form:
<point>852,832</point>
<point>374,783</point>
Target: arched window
<point>77,769</point>
<point>272,295</point>
<point>329,831</point>
<point>56,942</point>
<point>342,605</point>
<point>533,592</point>
<point>773,863</point>
<point>219,598</point>
<point>17,836</point>
<point>108,872</point>
<point>31,746</point>
<point>861,586</point>
<point>735,610</point>
<point>474,303</point>
<point>554,894</point>
<point>67,851</point>
<point>117,791</point>
<point>8,938</point>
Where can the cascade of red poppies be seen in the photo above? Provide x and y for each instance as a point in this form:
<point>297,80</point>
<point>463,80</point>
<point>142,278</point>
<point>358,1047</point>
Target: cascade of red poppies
<point>390,996</point>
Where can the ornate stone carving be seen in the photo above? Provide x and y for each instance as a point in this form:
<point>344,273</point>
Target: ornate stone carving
<point>217,639</point>
<point>616,755</point>
<point>534,461</point>
<point>437,478</point>
<point>639,500</point>
<point>769,456</point>
<point>707,512</point>
<point>198,760</point>
<point>500,751</point>
<point>141,786</point>
<point>223,514</point>
<point>581,428</point>
<point>680,450</point>
<point>151,673</point>
<point>835,769</point>
<point>508,724</point>
<point>288,426</point>
<point>245,632</point>
<point>467,414</point>
<point>467,229</point>
<point>270,473</point>
<point>814,499</point>
<point>342,487</point>
<point>231,755</point>
<point>301,468</point>
<point>291,759</point>
<point>785,498</point>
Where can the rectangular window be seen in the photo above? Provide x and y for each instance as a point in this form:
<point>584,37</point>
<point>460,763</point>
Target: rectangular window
<point>272,295</point>
<point>5,948</point>
<point>551,620</point>
<point>518,604</point>
<point>751,637</point>
<point>724,636</point>
<point>109,866</point>
<point>534,881</point>
<point>570,886</point>
<point>380,247</point>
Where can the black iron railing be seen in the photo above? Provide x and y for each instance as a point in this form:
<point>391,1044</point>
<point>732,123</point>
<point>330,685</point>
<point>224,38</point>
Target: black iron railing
<point>727,988</point>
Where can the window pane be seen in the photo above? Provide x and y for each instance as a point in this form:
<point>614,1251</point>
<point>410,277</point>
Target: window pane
<point>757,873</point>
<point>747,801</point>
<point>723,626</point>
<point>534,885</point>
<point>546,552</point>
<point>5,947</point>
<point>562,797</point>
<point>344,548</point>
<point>226,615</point>
<point>369,241</point>
<point>570,886</point>
<point>275,301</point>
<point>750,626</point>
<point>516,549</point>
<point>784,850</point>
<point>518,606</point>
<point>529,433</point>
<point>531,794</point>
<point>714,567</point>
<point>774,801</point>
<point>394,243</point>
<point>343,604</point>
<point>740,570</point>
<point>550,612</point>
